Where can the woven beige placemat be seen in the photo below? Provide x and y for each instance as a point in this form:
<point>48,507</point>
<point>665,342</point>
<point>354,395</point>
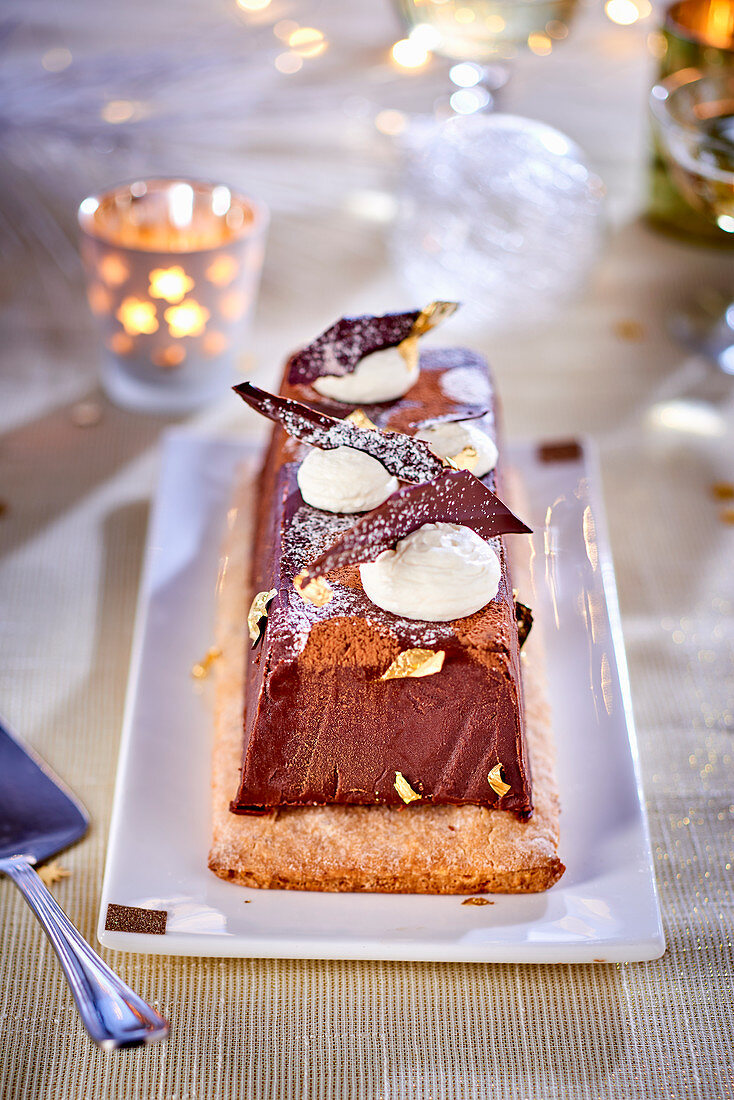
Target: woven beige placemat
<point>290,1029</point>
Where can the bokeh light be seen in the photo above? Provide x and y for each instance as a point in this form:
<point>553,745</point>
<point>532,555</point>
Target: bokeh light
<point>122,110</point>
<point>56,59</point>
<point>468,100</point>
<point>539,43</point>
<point>466,74</point>
<point>622,12</point>
<point>288,62</point>
<point>390,122</point>
<point>409,54</point>
<point>307,41</point>
<point>284,28</point>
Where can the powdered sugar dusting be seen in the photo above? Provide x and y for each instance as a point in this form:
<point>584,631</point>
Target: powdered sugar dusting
<point>307,534</point>
<point>455,497</point>
<point>403,456</point>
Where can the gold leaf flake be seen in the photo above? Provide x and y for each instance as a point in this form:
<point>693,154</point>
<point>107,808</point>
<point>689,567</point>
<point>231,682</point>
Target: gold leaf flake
<point>415,663</point>
<point>496,781</point>
<point>52,873</point>
<point>404,789</point>
<point>360,418</point>
<point>524,617</point>
<point>722,490</point>
<point>201,669</point>
<point>629,330</point>
<point>477,901</point>
<point>432,316</point>
<point>726,515</point>
<point>259,610</point>
<point>316,591</point>
<point>466,459</point>
<point>408,348</point>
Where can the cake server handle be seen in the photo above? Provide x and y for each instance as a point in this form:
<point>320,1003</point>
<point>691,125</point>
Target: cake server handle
<point>112,1013</point>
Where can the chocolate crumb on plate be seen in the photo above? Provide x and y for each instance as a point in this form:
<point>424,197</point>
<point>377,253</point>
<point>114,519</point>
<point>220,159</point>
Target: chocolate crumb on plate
<point>131,918</point>
<point>565,450</point>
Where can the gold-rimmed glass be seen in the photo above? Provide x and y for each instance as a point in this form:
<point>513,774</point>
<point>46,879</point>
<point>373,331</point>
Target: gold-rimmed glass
<point>693,120</point>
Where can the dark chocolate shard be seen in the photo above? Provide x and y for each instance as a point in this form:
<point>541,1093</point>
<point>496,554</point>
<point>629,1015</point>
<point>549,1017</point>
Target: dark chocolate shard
<point>340,348</point>
<point>524,618</point>
<point>406,458</point>
<point>455,497</point>
<point>462,412</point>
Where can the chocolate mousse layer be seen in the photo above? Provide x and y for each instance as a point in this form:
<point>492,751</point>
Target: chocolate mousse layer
<point>320,725</point>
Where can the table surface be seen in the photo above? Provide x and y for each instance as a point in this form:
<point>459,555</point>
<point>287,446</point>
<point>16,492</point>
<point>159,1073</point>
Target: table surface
<point>75,505</point>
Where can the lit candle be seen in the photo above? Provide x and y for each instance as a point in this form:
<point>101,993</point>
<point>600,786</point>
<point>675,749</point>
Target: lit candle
<point>698,33</point>
<point>173,269</point>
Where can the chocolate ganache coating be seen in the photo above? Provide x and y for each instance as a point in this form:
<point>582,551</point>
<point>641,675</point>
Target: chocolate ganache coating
<point>320,726</point>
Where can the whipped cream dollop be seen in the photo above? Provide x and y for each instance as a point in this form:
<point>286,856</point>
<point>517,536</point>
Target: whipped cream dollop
<point>382,376</point>
<point>344,480</point>
<point>440,571</point>
<point>448,439</point>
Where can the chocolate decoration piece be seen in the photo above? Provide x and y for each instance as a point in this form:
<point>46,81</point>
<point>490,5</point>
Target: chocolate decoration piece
<point>463,412</point>
<point>524,622</point>
<point>455,497</point>
<point>407,458</point>
<point>131,918</point>
<point>338,350</point>
<point>567,450</point>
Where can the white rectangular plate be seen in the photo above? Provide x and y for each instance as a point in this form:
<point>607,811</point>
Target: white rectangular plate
<point>604,909</point>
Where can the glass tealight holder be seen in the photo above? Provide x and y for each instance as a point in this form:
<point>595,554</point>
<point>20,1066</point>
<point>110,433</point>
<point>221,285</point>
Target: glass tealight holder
<point>173,268</point>
<point>696,34</point>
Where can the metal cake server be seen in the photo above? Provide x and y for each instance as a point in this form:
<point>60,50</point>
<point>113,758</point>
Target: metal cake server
<point>38,818</point>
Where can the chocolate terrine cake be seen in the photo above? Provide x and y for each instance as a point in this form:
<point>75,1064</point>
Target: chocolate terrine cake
<point>392,736</point>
